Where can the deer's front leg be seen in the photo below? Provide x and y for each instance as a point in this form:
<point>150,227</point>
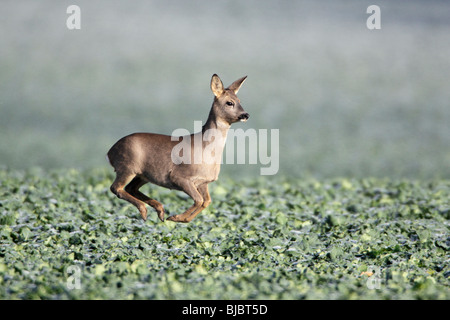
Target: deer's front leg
<point>191,190</point>
<point>203,189</point>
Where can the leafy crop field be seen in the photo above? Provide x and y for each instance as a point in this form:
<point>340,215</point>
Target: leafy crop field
<point>65,236</point>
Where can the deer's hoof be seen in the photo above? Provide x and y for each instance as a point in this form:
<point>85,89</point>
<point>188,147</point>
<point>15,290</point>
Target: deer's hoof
<point>172,218</point>
<point>143,212</point>
<point>177,218</point>
<point>161,215</point>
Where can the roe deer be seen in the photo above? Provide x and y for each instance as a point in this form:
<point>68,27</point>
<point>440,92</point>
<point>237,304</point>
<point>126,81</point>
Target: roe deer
<point>148,157</point>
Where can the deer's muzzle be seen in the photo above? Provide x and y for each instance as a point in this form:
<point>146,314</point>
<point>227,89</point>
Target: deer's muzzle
<point>244,117</point>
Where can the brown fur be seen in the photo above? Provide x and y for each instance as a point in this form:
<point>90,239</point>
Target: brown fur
<point>140,158</point>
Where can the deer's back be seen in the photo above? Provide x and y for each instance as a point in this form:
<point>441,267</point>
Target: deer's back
<point>147,155</point>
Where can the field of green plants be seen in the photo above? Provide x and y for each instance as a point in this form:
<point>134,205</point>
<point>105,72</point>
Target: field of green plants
<point>65,236</point>
<point>359,208</point>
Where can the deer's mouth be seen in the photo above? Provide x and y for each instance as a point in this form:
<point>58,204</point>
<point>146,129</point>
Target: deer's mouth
<point>243,117</point>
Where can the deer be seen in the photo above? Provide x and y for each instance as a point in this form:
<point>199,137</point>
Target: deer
<point>142,158</point>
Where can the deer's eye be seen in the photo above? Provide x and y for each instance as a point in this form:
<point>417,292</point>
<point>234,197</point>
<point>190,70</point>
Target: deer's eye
<point>230,103</point>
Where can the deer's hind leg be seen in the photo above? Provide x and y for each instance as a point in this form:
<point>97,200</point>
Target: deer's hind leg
<point>122,180</point>
<point>133,189</point>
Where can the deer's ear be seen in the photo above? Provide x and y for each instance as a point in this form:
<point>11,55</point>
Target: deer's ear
<point>235,86</point>
<point>216,85</point>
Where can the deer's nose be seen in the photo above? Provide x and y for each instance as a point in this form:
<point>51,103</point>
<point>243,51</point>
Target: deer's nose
<point>244,116</point>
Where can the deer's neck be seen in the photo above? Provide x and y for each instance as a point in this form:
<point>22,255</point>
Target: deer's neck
<point>216,123</point>
<point>215,131</point>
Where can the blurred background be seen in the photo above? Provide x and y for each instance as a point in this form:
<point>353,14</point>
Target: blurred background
<point>348,101</point>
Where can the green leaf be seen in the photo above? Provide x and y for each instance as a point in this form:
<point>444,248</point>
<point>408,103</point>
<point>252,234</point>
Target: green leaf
<point>280,218</point>
<point>26,233</point>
